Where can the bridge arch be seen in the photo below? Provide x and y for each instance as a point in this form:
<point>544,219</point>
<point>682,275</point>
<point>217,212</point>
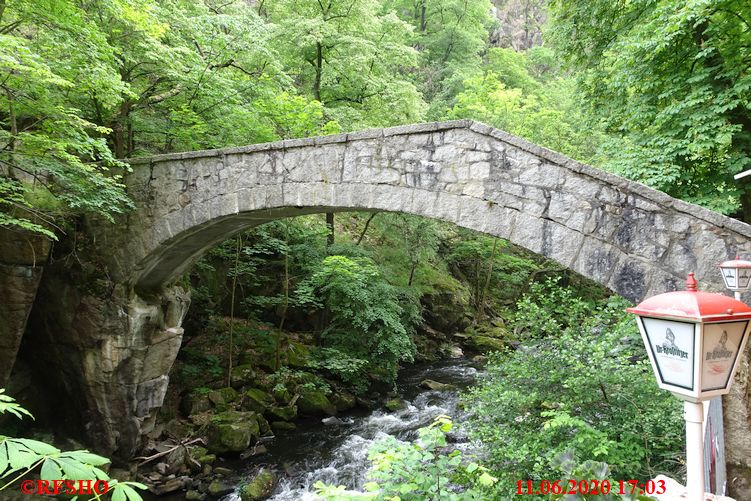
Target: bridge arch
<point>634,240</point>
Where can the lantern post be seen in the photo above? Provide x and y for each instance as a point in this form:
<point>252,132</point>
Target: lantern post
<point>694,340</point>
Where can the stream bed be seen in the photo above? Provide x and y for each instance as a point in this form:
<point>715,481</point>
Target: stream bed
<point>335,450</point>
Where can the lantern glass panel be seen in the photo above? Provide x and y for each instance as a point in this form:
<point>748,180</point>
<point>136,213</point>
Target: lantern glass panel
<point>744,275</point>
<point>672,344</point>
<point>730,275</point>
<point>721,347</point>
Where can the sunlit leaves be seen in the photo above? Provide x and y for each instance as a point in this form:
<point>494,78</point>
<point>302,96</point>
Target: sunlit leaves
<point>20,456</point>
<point>669,79</point>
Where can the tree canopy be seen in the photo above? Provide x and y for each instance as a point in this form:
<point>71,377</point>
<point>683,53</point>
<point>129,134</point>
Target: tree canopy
<point>657,91</point>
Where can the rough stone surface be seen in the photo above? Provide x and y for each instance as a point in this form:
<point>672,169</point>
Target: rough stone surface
<point>628,237</point>
<point>22,259</point>
<point>109,353</point>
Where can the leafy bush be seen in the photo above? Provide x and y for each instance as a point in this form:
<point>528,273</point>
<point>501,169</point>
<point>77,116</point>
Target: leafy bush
<point>584,388</point>
<point>547,309</point>
<point>366,317</point>
<point>349,369</point>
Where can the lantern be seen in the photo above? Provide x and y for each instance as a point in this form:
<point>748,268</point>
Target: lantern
<point>736,274</point>
<point>693,340</point>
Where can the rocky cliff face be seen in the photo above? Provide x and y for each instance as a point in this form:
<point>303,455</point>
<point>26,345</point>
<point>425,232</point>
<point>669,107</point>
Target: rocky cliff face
<point>22,260</point>
<point>103,352</point>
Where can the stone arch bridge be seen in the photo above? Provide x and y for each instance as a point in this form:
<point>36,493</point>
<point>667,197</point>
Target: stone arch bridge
<point>119,337</point>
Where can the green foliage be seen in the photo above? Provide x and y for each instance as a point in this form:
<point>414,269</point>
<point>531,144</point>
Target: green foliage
<point>350,56</point>
<point>451,37</point>
<point>366,317</point>
<point>590,470</point>
<point>547,309</point>
<point>340,364</point>
<point>584,388</point>
<point>19,457</point>
<point>424,469</point>
<point>199,367</point>
<point>669,80</point>
<point>511,94</point>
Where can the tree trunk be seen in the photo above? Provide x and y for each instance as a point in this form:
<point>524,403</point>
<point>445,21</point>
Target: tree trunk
<point>285,304</point>
<point>232,312</point>
<point>330,226</point>
<point>364,230</point>
<point>319,71</point>
<point>412,273</point>
<point>423,20</point>
<point>481,308</point>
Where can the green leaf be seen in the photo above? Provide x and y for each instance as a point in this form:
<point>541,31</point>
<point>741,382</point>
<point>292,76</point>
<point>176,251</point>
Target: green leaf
<point>86,457</point>
<point>37,447</point>
<point>50,470</point>
<point>75,470</point>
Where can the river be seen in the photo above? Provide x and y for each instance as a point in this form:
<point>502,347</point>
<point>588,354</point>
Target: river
<point>336,451</point>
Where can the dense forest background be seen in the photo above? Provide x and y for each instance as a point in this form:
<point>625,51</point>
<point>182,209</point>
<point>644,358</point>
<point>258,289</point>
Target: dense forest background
<point>655,90</point>
<point>318,313</point>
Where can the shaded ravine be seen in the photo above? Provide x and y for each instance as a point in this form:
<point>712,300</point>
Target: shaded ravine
<point>335,450</point>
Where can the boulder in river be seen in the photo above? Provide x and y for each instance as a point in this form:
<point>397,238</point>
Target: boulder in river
<point>436,385</point>
<point>278,426</point>
<point>396,404</point>
<point>315,402</point>
<point>343,400</point>
<point>259,487</point>
<point>487,343</point>
<point>219,488</point>
<point>232,431</point>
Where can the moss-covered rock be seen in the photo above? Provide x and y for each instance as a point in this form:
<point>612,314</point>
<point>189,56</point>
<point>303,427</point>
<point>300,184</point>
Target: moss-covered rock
<point>219,488</point>
<point>298,354</point>
<point>396,404</point>
<point>223,396</point>
<point>436,385</point>
<point>263,425</point>
<point>487,343</point>
<point>257,400</point>
<point>278,426</point>
<point>178,428</point>
<point>195,403</point>
<point>198,451</point>
<point>242,375</point>
<point>283,413</point>
<point>281,394</point>
<point>193,495</point>
<point>232,431</point>
<point>343,400</point>
<point>259,487</point>
<point>315,402</point>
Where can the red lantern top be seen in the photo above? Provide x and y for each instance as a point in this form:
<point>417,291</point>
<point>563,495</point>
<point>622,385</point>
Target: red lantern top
<point>692,305</point>
<point>736,263</point>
